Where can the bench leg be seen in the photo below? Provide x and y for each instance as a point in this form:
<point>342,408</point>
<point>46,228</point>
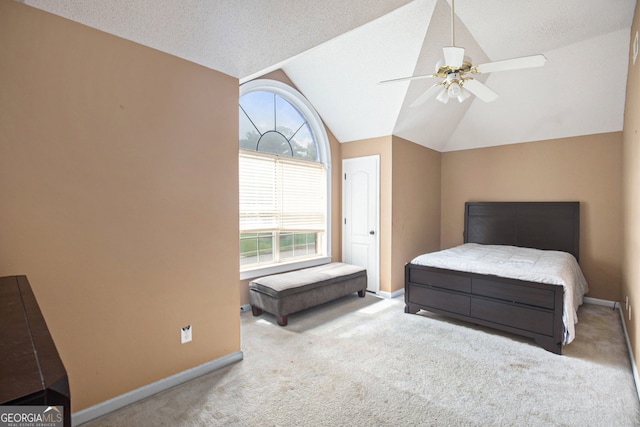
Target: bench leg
<point>282,320</point>
<point>362,293</point>
<point>256,311</point>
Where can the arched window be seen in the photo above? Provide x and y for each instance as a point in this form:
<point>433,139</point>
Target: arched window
<point>284,177</point>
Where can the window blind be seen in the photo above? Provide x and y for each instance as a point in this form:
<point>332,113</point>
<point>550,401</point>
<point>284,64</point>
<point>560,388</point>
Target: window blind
<point>281,193</point>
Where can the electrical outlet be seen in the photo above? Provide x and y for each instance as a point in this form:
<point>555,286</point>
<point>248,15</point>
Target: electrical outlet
<point>185,334</point>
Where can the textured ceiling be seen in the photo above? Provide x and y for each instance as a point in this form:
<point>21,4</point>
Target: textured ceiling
<point>336,52</point>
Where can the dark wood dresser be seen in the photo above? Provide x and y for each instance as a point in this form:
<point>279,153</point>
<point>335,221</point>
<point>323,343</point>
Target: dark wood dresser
<point>31,372</point>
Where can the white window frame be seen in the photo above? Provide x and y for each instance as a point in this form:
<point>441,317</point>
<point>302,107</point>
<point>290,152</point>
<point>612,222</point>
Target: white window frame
<point>324,156</point>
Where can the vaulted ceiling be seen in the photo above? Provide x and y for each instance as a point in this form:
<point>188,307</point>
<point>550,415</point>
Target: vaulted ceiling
<point>336,52</point>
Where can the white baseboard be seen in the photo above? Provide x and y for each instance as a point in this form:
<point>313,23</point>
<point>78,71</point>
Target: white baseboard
<point>614,305</point>
<point>143,392</point>
<point>598,301</point>
<point>634,368</point>
<point>390,295</point>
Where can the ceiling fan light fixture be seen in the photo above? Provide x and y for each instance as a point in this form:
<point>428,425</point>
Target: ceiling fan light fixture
<point>454,90</point>
<point>464,95</point>
<point>443,96</point>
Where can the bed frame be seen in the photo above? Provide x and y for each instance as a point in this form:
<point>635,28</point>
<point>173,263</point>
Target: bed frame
<point>524,308</point>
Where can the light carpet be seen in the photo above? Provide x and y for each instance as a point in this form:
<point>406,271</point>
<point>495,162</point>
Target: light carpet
<point>364,362</point>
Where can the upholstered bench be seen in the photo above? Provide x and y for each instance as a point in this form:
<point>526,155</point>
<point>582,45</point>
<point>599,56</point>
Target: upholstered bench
<point>286,293</point>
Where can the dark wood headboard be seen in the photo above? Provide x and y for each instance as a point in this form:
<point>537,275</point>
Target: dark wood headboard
<point>539,225</point>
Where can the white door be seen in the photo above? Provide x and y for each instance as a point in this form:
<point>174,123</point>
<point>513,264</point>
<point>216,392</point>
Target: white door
<point>360,216</point>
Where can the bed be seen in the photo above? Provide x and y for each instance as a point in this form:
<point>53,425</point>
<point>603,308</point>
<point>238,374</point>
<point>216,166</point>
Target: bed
<point>538,294</point>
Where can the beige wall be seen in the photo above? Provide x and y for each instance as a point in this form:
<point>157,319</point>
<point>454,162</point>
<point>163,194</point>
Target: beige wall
<point>631,194</point>
<point>584,169</point>
<point>336,192</point>
<point>423,194</point>
<point>118,200</point>
<point>416,205</point>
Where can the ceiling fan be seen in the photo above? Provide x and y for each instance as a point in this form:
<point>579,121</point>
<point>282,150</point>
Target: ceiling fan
<point>456,71</point>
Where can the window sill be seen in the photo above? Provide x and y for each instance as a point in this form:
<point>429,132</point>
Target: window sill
<point>281,268</point>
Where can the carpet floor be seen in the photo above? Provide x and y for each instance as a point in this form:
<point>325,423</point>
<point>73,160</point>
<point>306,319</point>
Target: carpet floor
<point>364,362</point>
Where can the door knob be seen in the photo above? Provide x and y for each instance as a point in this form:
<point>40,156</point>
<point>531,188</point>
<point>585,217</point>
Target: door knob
<point>372,232</point>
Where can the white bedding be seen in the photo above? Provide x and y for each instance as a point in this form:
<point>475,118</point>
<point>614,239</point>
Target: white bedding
<point>551,267</point>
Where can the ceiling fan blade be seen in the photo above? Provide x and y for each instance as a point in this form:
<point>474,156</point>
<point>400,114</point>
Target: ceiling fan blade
<point>480,90</point>
<point>512,64</point>
<point>426,95</point>
<point>453,56</point>
<point>402,79</point>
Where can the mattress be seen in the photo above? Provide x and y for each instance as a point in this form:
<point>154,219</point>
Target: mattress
<point>542,266</point>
